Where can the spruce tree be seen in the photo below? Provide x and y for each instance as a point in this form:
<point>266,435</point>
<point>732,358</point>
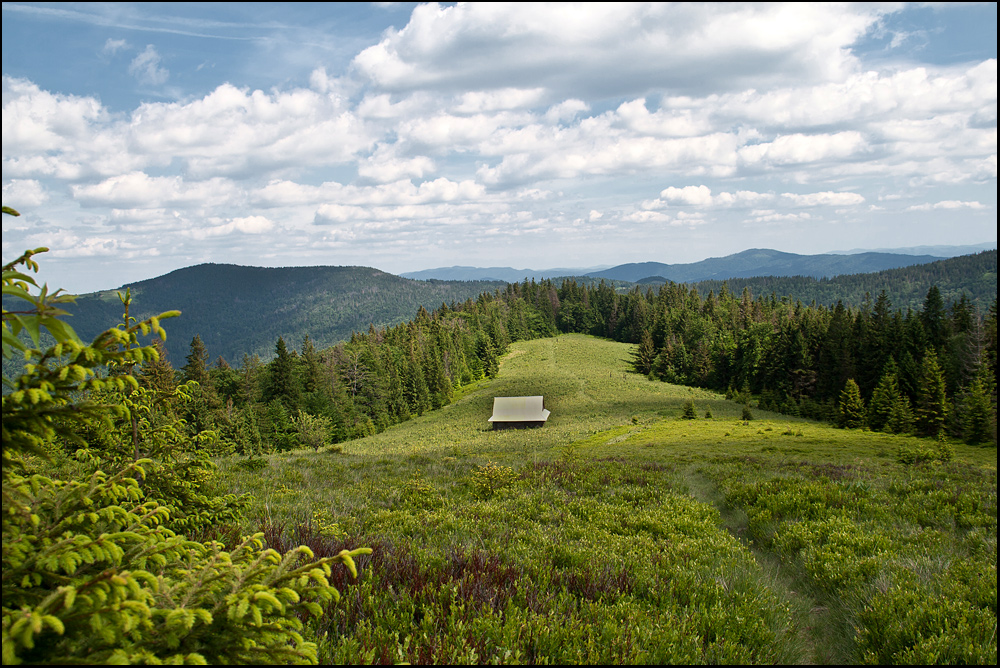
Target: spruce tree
<point>883,398</point>
<point>90,572</point>
<point>977,417</point>
<point>645,354</point>
<point>900,417</point>
<point>281,383</point>
<point>934,318</point>
<point>196,368</point>
<point>158,374</point>
<point>851,408</point>
<point>932,398</point>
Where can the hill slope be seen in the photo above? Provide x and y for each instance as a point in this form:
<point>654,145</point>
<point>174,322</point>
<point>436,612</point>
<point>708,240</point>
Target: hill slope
<point>240,310</point>
<point>618,533</point>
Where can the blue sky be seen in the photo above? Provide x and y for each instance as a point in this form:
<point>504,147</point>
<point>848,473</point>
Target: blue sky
<point>141,138</point>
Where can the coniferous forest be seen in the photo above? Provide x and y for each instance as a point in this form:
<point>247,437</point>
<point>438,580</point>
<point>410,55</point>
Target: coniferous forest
<point>928,371</point>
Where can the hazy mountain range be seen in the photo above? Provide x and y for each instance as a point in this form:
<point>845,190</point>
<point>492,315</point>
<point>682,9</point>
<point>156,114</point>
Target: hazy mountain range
<point>505,274</point>
<point>753,262</point>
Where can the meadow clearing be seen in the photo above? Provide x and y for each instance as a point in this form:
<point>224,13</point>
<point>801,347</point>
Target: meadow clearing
<point>622,533</point>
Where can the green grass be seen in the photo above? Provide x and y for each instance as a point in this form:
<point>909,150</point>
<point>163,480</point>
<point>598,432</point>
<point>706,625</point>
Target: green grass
<point>621,533</point>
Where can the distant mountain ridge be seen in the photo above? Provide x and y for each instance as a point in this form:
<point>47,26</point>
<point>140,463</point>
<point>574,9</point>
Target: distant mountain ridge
<point>239,310</point>
<point>506,274</point>
<point>764,262</point>
<point>942,251</point>
<point>746,264</point>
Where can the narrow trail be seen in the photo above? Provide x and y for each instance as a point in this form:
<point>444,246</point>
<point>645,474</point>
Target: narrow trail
<point>820,630</point>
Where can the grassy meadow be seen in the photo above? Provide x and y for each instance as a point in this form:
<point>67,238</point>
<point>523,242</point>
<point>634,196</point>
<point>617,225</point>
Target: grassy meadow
<point>622,533</point>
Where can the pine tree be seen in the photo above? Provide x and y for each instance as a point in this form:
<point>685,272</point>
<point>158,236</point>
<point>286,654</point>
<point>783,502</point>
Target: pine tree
<point>851,408</point>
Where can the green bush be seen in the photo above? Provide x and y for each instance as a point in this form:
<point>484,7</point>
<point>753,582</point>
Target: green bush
<point>490,479</point>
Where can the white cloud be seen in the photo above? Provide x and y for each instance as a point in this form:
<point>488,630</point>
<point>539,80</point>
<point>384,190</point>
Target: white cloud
<point>113,46</point>
<point>236,131</point>
<point>246,225</point>
<point>771,216</point>
<point>23,193</point>
<point>566,111</point>
<point>475,102</point>
<point>701,196</point>
<point>607,49</point>
<point>146,68</point>
<point>824,199</point>
<point>947,204</point>
<point>688,195</point>
<point>288,193</point>
<point>647,217</point>
<point>384,166</point>
<point>519,120</point>
<point>801,148</point>
<point>138,190</point>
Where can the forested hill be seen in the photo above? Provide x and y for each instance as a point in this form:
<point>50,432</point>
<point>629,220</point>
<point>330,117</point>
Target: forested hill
<point>764,262</point>
<point>975,276</point>
<point>239,310</point>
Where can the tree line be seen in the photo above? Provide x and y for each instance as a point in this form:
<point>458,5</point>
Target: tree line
<point>929,371</point>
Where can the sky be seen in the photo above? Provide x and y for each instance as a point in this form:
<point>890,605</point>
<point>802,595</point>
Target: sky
<point>142,138</point>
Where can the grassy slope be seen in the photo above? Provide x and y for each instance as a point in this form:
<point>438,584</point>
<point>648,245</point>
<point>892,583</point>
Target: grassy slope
<point>623,534</point>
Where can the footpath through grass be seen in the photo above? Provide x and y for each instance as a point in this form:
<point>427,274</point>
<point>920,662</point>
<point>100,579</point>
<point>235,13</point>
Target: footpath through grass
<point>620,533</point>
